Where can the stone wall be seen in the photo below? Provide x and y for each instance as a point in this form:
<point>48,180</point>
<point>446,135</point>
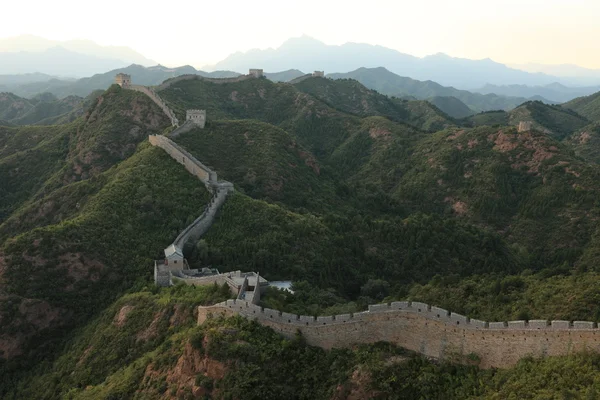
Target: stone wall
<point>186,127</point>
<point>168,83</point>
<point>160,102</point>
<point>201,225</point>
<point>300,79</point>
<point>195,167</point>
<point>431,331</point>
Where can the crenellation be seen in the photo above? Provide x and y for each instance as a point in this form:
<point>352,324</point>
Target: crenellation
<point>478,324</point>
<point>561,325</point>
<point>437,312</point>
<point>457,319</point>
<point>400,305</point>
<point>343,317</point>
<point>537,324</point>
<point>583,325</point>
<point>309,319</point>
<point>323,320</point>
<point>290,318</point>
<point>379,307</point>
<point>516,324</point>
<point>497,325</point>
<point>419,307</point>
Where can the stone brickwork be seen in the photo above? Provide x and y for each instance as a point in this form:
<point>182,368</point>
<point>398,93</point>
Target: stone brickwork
<point>197,117</point>
<point>256,72</point>
<point>431,331</point>
<point>319,74</point>
<point>123,80</point>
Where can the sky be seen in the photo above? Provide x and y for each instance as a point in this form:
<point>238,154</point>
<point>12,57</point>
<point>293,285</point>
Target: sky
<point>200,32</point>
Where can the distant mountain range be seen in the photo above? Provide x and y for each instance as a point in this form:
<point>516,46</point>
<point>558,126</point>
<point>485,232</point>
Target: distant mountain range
<point>554,92</point>
<point>74,58</point>
<point>308,54</point>
<point>82,87</point>
<point>388,83</point>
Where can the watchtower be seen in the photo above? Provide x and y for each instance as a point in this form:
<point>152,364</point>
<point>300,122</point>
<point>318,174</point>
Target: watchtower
<point>123,80</point>
<point>525,126</point>
<point>255,72</point>
<point>320,74</point>
<point>198,117</point>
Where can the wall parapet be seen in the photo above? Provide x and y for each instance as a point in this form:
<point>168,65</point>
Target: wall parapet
<point>430,330</point>
<point>431,313</point>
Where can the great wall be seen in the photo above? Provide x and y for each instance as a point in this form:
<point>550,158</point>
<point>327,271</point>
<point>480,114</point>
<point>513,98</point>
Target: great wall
<point>431,331</point>
<point>428,330</point>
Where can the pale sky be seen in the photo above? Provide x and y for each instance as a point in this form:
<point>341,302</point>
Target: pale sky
<point>199,32</point>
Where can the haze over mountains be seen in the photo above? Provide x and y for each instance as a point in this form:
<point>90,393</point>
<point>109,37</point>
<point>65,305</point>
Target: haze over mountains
<point>308,54</point>
<point>72,58</point>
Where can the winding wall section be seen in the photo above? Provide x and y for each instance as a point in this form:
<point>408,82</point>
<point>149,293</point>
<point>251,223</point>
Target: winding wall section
<point>431,331</point>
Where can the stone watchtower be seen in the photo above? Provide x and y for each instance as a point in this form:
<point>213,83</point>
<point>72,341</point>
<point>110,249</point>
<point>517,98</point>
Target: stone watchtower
<point>257,73</point>
<point>123,80</point>
<point>525,126</point>
<point>320,74</point>
<point>198,117</point>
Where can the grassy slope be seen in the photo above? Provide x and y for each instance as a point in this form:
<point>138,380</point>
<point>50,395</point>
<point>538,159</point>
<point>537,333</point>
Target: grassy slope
<point>588,106</point>
<point>262,160</point>
<point>451,106</point>
<point>554,120</point>
<point>350,96</point>
<point>586,143</point>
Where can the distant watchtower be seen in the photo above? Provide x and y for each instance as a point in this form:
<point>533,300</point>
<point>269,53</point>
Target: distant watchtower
<point>123,80</point>
<point>198,117</point>
<point>320,74</point>
<point>525,126</point>
<point>257,73</point>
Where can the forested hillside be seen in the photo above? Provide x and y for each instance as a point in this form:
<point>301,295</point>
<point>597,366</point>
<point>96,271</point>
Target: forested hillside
<point>354,196</point>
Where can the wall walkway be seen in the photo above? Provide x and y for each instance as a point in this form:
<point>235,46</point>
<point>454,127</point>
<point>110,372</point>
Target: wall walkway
<point>160,102</point>
<point>431,331</point>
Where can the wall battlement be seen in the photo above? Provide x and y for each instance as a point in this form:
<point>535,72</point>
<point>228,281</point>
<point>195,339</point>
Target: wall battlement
<point>429,330</point>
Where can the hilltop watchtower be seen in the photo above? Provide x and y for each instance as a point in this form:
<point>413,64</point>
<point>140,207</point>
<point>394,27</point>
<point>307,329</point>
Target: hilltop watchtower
<point>198,117</point>
<point>525,126</point>
<point>320,74</point>
<point>255,72</point>
<point>123,80</point>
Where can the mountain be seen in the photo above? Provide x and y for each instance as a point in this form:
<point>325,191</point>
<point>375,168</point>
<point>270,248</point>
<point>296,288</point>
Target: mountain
<point>451,106</point>
<point>44,109</point>
<point>555,92</point>
<point>56,61</point>
<point>391,84</point>
<point>588,106</point>
<point>84,86</point>
<point>356,197</point>
<point>29,53</point>
<point>575,74</point>
<point>308,54</point>
<point>555,121</point>
<point>284,76</point>
<point>19,79</point>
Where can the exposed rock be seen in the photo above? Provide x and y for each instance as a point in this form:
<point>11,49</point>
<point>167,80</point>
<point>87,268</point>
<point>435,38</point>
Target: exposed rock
<point>121,316</point>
